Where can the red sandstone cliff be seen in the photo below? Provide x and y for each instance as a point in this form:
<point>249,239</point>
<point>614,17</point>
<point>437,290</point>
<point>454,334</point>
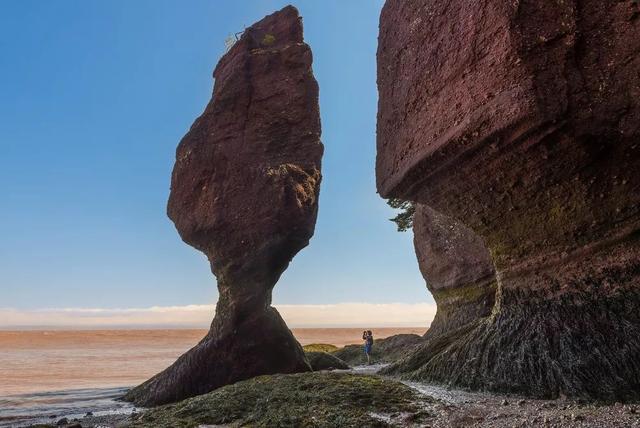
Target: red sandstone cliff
<point>521,120</point>
<point>244,191</point>
<point>457,268</point>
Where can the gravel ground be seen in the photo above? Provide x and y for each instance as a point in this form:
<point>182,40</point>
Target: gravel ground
<point>464,409</point>
<point>470,409</point>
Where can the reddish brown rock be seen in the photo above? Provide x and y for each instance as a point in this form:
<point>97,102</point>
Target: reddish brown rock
<point>244,191</point>
<point>522,121</point>
<point>457,267</point>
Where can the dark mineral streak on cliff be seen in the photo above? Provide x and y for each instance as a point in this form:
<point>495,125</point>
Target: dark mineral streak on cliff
<point>521,120</point>
<point>244,191</point>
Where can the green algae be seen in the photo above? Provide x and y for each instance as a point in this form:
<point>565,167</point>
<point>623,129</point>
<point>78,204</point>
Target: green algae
<point>300,400</point>
<point>325,361</point>
<point>319,347</point>
<point>468,293</point>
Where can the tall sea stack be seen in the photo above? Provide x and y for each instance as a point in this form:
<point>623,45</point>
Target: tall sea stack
<point>244,191</point>
<point>520,120</point>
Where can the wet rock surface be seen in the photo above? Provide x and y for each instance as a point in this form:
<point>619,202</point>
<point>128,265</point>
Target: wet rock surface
<point>322,399</point>
<point>521,120</point>
<point>244,191</point>
<point>352,399</point>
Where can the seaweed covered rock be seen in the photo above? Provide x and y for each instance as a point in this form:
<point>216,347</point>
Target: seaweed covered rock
<point>319,347</point>
<point>244,191</point>
<point>521,120</point>
<point>297,400</point>
<point>325,361</point>
<point>386,350</point>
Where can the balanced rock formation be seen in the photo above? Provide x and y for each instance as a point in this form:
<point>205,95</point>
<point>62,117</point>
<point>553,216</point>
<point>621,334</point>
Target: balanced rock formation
<point>244,191</point>
<point>521,120</point>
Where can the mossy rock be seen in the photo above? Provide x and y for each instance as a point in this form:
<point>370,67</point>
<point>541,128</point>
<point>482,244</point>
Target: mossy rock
<point>387,350</point>
<point>268,39</point>
<point>321,399</point>
<point>325,361</point>
<point>320,347</point>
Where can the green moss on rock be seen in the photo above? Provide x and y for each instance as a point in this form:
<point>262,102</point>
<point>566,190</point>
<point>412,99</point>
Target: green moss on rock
<point>325,361</point>
<point>268,39</point>
<point>301,400</point>
<point>320,347</point>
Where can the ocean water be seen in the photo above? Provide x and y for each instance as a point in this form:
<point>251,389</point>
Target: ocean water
<point>49,407</point>
<point>68,373</point>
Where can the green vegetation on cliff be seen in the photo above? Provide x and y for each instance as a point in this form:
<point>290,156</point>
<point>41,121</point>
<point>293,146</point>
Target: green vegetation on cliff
<point>404,219</point>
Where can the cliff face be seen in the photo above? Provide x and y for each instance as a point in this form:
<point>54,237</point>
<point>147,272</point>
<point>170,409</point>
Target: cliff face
<point>521,120</point>
<point>457,268</point>
<point>244,191</point>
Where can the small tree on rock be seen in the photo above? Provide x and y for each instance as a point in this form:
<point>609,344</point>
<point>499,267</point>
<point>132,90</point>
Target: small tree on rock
<point>404,219</point>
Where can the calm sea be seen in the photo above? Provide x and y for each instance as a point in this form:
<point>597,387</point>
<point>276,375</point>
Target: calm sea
<point>70,372</point>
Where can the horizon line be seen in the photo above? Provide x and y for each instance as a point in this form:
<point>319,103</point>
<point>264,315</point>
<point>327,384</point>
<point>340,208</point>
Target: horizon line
<point>335,315</point>
<point>150,327</point>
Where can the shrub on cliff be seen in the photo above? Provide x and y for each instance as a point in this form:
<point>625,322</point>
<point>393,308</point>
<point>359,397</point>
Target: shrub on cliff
<point>404,219</point>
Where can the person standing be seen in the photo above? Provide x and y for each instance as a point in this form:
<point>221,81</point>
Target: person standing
<point>367,336</point>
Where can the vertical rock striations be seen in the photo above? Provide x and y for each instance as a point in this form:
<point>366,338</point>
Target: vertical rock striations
<point>522,121</point>
<point>244,191</point>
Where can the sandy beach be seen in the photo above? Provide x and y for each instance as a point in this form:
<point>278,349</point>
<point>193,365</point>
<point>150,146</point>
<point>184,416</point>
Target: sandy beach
<point>50,375</point>
<point>42,361</point>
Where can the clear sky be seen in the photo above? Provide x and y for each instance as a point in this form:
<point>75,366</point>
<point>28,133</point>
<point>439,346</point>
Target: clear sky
<point>96,96</point>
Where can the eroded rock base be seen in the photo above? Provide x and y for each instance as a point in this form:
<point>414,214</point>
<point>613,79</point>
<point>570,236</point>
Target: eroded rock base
<point>226,355</point>
<point>575,336</point>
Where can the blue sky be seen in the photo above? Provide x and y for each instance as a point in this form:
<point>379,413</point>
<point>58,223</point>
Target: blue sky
<point>96,96</point>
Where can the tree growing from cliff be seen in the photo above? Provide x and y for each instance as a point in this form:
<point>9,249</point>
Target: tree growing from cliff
<point>404,219</point>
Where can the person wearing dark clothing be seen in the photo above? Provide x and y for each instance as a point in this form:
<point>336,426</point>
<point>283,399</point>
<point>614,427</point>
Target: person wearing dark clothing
<point>367,336</point>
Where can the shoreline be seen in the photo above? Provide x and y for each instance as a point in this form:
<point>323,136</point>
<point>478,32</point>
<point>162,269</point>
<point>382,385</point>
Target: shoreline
<point>45,361</point>
<point>445,407</point>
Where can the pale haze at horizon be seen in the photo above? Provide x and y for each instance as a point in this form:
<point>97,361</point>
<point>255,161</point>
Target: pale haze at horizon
<point>100,93</point>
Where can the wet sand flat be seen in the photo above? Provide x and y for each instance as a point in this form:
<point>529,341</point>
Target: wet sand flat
<point>40,361</point>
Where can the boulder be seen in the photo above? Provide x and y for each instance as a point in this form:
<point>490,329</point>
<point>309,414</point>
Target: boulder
<point>325,361</point>
<point>521,121</point>
<point>386,350</point>
<point>320,399</point>
<point>244,191</point>
<point>319,347</point>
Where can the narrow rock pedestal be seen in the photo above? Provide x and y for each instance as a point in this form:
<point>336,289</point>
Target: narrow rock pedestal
<point>244,191</point>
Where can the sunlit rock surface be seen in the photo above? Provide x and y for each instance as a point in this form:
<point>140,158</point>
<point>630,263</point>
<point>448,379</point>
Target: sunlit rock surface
<point>244,191</point>
<point>521,121</point>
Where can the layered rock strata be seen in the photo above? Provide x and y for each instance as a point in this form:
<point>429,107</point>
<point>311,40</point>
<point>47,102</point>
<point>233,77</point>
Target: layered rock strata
<point>521,120</point>
<point>244,191</point>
